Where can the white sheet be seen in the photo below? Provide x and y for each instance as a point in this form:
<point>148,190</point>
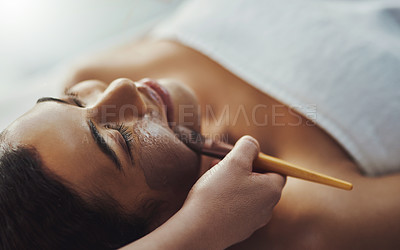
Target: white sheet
<point>343,57</point>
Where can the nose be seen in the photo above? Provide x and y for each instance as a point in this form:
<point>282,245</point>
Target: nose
<point>120,102</point>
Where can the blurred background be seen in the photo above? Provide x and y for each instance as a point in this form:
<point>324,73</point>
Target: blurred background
<point>40,38</point>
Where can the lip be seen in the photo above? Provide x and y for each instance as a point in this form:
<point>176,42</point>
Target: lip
<point>164,97</point>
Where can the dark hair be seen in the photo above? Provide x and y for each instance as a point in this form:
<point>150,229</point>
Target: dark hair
<point>37,211</point>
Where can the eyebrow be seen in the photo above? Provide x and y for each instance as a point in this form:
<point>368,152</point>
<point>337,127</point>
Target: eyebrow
<point>98,138</point>
<point>52,99</point>
<point>104,147</point>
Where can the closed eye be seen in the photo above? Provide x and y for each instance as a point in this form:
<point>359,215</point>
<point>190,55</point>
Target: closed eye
<point>73,96</point>
<point>126,135</point>
<point>78,102</point>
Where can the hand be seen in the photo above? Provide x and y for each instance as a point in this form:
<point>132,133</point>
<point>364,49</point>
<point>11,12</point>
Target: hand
<point>225,206</point>
<point>230,200</point>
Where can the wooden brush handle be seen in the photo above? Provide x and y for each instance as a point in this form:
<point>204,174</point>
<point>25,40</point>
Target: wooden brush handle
<point>268,163</point>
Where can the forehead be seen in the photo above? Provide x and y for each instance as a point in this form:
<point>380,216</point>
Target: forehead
<point>47,122</point>
<point>61,136</point>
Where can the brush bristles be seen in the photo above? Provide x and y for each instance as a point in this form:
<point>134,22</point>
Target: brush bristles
<point>191,138</point>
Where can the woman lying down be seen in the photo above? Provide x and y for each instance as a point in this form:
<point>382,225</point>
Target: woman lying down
<point>100,167</point>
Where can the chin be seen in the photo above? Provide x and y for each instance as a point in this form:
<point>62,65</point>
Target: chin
<point>185,104</point>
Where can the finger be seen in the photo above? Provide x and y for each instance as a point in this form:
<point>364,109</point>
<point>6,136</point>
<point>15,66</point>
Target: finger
<point>271,179</point>
<point>212,164</point>
<point>243,153</point>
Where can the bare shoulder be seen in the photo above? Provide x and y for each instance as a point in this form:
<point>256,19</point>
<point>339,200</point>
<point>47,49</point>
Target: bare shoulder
<point>312,216</point>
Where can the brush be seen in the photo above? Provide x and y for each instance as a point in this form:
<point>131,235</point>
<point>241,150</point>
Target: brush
<point>264,163</point>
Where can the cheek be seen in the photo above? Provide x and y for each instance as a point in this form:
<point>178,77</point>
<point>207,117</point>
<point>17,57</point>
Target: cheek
<point>166,161</point>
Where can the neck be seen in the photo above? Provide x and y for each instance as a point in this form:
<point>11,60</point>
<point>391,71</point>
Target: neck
<point>232,108</point>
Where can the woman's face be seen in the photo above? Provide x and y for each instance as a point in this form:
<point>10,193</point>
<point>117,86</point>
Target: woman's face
<point>116,139</point>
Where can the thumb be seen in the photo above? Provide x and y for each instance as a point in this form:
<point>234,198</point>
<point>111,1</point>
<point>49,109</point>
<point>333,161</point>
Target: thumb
<point>243,154</point>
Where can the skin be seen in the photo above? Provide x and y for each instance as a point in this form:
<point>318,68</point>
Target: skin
<point>221,194</point>
<point>162,169</point>
<point>309,216</point>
